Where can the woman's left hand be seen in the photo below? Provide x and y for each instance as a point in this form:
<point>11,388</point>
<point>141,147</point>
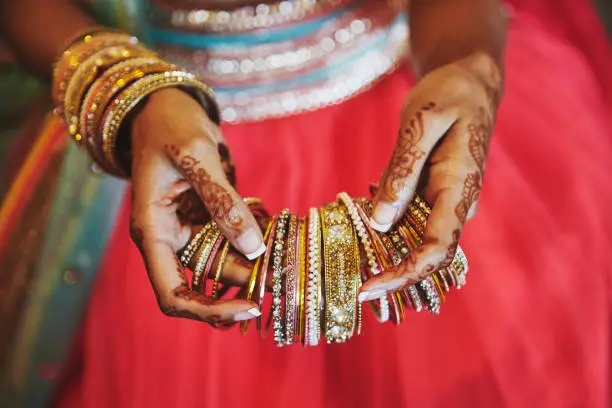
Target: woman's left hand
<point>441,151</point>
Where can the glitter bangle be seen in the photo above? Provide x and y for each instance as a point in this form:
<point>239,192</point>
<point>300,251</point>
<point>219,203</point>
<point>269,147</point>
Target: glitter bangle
<point>342,276</point>
<point>75,55</point>
<point>291,270</point>
<point>301,256</point>
<point>277,279</point>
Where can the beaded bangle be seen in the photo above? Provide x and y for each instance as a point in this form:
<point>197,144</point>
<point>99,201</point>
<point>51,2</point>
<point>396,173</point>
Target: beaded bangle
<point>460,267</point>
<point>290,267</point>
<point>384,260</point>
<point>128,99</point>
<point>366,243</point>
<point>193,246</point>
<point>277,279</point>
<point>342,277</point>
<point>432,299</point>
<point>314,291</point>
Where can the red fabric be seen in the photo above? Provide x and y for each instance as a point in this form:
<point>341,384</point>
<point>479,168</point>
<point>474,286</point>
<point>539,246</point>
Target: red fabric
<point>531,328</point>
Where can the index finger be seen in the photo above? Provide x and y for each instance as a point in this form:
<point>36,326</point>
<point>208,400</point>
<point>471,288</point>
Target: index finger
<point>424,126</point>
<point>199,162</point>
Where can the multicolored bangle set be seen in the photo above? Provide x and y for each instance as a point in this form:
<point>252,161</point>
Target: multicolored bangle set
<point>317,264</point>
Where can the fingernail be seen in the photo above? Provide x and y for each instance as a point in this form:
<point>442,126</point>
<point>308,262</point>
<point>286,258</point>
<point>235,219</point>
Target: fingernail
<point>251,313</point>
<point>255,312</point>
<point>371,295</point>
<point>383,217</point>
<point>251,244</point>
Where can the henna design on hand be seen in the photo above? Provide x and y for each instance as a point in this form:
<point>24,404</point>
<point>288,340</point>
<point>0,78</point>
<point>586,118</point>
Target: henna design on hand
<point>406,154</point>
<point>191,210</point>
<point>218,200</point>
<point>452,248</point>
<point>469,195</point>
<point>480,132</point>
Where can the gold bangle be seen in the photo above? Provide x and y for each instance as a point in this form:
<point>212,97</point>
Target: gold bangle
<point>86,73</point>
<point>128,99</point>
<point>302,253</point>
<point>74,56</point>
<point>104,89</point>
<point>95,141</point>
<point>203,254</point>
<point>192,247</point>
<point>291,267</point>
<point>422,204</point>
<point>244,325</point>
<point>217,278</point>
<point>342,276</point>
<point>382,309</point>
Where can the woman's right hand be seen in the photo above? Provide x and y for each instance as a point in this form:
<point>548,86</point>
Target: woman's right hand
<point>176,148</point>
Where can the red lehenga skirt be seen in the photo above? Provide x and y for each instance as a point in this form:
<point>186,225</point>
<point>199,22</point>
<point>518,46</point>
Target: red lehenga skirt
<point>531,328</point>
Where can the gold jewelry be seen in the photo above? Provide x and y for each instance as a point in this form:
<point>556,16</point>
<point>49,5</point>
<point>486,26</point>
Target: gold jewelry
<point>204,252</point>
<point>86,73</point>
<point>119,109</point>
<point>291,269</point>
<point>222,257</point>
<point>105,89</point>
<point>342,277</point>
<point>302,254</point>
<point>193,246</point>
<point>78,53</point>
<point>382,313</point>
<point>100,93</point>
<point>244,325</point>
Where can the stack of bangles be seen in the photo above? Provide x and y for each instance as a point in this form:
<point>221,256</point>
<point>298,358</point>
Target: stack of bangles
<point>101,78</point>
<point>315,264</point>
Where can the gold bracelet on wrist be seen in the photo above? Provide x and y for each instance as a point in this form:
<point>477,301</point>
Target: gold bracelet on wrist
<point>74,56</point>
<point>86,73</point>
<point>127,100</point>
